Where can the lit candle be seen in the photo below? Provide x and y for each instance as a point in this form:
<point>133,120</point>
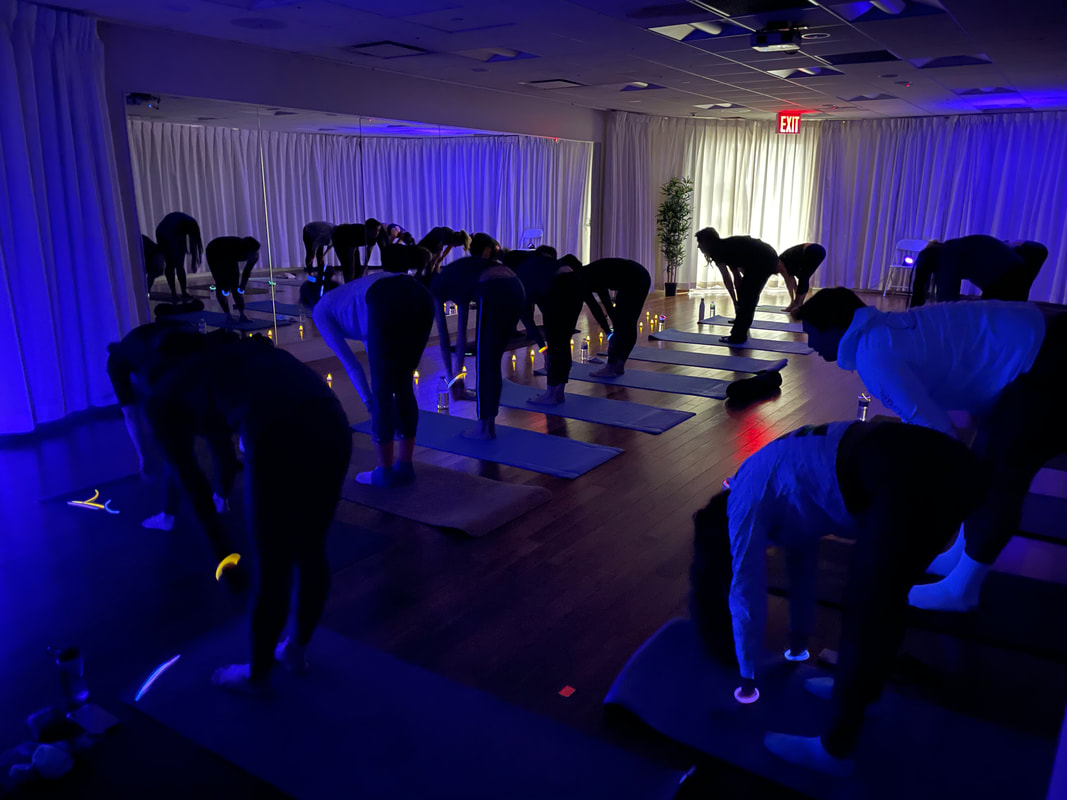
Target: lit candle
<point>270,333</point>
<point>572,344</point>
<point>329,380</point>
<point>464,370</point>
<point>531,353</point>
<point>416,377</point>
<point>602,337</point>
<point>301,333</point>
<point>512,360</point>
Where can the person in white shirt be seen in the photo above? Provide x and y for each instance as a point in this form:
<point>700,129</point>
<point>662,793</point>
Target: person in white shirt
<point>1002,363</point>
<point>392,313</point>
<point>900,491</point>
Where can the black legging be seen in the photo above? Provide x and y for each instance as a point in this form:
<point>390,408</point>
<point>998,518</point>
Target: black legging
<point>1021,434</point>
<point>907,488</point>
<point>1016,284</point>
<point>224,257</point>
<point>500,304</point>
<point>560,311</point>
<point>399,318</point>
<point>806,264</point>
<point>754,277</point>
<point>289,531</point>
<point>630,298</point>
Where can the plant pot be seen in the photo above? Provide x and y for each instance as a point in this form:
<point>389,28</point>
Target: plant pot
<point>670,289</point>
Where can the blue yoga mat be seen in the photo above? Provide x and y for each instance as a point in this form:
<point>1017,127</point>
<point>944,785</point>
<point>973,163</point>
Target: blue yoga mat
<point>909,748</point>
<point>683,358</point>
<point>218,320</point>
<point>617,413</point>
<point>759,324</point>
<point>289,309</point>
<point>654,381</point>
<point>364,724</point>
<point>515,447</point>
<point>770,345</point>
<point>771,309</point>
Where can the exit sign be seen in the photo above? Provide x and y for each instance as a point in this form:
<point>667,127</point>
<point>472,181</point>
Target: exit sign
<point>789,121</point>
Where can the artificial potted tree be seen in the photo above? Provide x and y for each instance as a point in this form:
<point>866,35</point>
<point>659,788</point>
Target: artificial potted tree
<point>672,225</point>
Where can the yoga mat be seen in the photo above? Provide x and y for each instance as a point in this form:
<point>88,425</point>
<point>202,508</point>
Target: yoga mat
<point>617,413</point>
<point>280,280</point>
<point>516,342</point>
<point>771,309</point>
<point>363,724</point>
<point>683,358</point>
<point>537,452</point>
<point>654,381</point>
<point>770,345</point>
<point>1013,612</point>
<point>448,498</point>
<point>289,309</point>
<point>218,320</point>
<point>908,749</point>
<point>1044,518</point>
<point>760,324</point>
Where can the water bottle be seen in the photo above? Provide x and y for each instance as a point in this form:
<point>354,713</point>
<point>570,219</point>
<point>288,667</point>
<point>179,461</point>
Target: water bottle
<point>865,403</point>
<point>713,308</point>
<point>585,352</point>
<point>202,325</point>
<point>71,676</point>
<point>442,396</point>
<point>700,313</point>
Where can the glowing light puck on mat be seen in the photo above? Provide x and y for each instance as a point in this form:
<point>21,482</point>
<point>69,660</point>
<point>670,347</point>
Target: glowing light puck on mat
<point>566,691</point>
<point>230,561</point>
<point>152,678</point>
<point>240,291</point>
<point>225,293</point>
<point>747,699</point>
<point>803,655</point>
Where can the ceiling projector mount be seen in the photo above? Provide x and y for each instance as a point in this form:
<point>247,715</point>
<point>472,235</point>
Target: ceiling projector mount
<point>776,39</point>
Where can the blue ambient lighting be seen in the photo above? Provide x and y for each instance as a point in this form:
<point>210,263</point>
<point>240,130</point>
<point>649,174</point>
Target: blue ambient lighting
<point>152,678</point>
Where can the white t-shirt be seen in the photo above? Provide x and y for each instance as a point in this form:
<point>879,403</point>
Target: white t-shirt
<point>346,306</point>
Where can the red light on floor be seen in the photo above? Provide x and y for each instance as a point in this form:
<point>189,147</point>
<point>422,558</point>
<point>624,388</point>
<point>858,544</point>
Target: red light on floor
<point>566,691</point>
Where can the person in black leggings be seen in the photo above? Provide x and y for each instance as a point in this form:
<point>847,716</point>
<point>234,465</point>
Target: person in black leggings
<point>224,258</point>
<point>178,235</point>
<point>796,266</point>
<point>275,403</point>
<point>557,291</point>
<point>347,239</point>
<point>392,313</point>
<point>318,238</point>
<point>1001,270</point>
<point>631,283</point>
<point>144,352</point>
<point>752,263</point>
<point>440,241</point>
<point>899,491</point>
<point>154,262</point>
<point>405,258</point>
<point>500,299</point>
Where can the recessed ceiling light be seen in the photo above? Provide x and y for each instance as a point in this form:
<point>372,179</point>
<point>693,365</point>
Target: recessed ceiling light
<point>815,35</point>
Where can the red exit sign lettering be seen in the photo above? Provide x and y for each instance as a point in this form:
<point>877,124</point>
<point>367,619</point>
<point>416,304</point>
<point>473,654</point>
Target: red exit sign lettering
<point>789,121</point>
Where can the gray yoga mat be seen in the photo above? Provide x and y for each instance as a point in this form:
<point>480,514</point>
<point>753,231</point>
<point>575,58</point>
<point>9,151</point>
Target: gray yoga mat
<point>684,358</point>
<point>289,309</point>
<point>364,724</point>
<point>217,319</point>
<point>771,309</point>
<point>515,447</point>
<point>617,413</point>
<point>770,345</point>
<point>1044,518</point>
<point>653,381</point>
<point>759,324</point>
<point>909,748</point>
<point>447,498</point>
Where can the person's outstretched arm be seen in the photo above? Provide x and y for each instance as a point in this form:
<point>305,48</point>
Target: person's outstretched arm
<point>802,569</point>
<point>892,380</point>
<point>598,312</point>
<point>790,283</point>
<point>749,527</point>
<point>444,338</point>
<point>532,331</point>
<point>727,281</point>
<point>334,338</point>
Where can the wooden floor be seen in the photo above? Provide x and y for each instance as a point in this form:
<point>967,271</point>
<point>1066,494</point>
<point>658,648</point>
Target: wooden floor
<point>561,597</point>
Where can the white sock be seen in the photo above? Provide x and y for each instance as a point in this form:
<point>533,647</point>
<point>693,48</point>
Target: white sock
<point>944,563</point>
<point>958,591</point>
<point>160,522</point>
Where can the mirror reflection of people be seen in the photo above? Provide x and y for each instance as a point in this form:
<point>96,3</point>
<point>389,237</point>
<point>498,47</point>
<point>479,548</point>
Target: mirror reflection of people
<point>555,288</point>
<point>797,265</point>
<point>1002,270</point>
<point>1003,364</point>
<point>231,260</point>
<point>899,491</point>
<point>154,262</point>
<point>318,238</point>
<point>246,386</point>
<point>177,236</point>
<point>392,313</point>
<point>499,297</point>
<point>751,264</point>
<point>631,283</point>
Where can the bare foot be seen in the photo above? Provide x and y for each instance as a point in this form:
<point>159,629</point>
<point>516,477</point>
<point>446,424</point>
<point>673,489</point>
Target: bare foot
<point>238,678</point>
<point>485,430</point>
<point>552,396</point>
<point>607,371</point>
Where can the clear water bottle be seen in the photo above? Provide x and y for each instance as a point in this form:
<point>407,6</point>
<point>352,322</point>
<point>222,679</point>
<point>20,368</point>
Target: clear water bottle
<point>71,676</point>
<point>202,325</point>
<point>585,352</point>
<point>712,308</point>
<point>865,404</point>
<point>442,396</point>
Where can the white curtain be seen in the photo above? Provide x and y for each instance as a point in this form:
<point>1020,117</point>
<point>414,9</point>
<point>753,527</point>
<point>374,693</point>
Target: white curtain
<point>497,184</point>
<point>748,180</point>
<point>65,282</point>
<point>880,181</point>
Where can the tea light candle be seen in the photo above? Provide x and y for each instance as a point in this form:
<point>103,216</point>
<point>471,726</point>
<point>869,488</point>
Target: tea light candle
<point>301,333</point>
<point>270,333</point>
<point>329,380</point>
<point>416,376</point>
<point>513,361</point>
